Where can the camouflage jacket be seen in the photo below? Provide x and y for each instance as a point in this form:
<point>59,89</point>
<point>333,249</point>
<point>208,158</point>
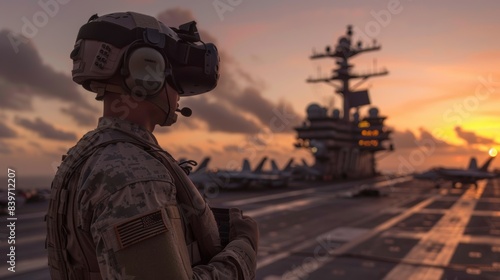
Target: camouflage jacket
<point>127,206</point>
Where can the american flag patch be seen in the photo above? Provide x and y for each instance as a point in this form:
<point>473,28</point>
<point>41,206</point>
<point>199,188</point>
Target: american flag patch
<point>140,229</point>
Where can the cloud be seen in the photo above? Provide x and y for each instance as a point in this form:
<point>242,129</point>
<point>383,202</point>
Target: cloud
<point>45,129</point>
<point>249,78</point>
<point>408,140</point>
<point>195,150</point>
<point>80,116</point>
<point>7,132</point>
<point>426,136</point>
<point>27,68</point>
<point>232,148</point>
<point>175,16</point>
<point>220,117</point>
<point>24,75</point>
<point>4,149</point>
<point>472,138</point>
<point>251,101</point>
<point>231,107</point>
<point>14,97</point>
<point>404,139</point>
<point>35,144</point>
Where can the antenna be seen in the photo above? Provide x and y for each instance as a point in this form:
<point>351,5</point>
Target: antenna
<point>342,53</point>
<point>331,103</point>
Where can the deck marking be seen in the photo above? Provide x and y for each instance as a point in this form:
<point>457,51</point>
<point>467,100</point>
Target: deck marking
<point>345,247</point>
<point>447,232</point>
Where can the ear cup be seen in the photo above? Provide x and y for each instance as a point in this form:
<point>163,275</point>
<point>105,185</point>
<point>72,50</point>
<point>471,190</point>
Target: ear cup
<point>146,71</point>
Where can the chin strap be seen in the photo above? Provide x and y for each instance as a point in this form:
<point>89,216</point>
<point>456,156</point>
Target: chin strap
<point>171,116</point>
<point>102,88</point>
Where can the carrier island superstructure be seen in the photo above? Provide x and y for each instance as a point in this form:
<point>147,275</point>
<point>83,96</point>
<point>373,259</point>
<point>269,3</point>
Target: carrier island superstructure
<point>344,144</point>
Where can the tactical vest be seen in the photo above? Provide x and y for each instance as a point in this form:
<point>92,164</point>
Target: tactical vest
<point>71,249</point>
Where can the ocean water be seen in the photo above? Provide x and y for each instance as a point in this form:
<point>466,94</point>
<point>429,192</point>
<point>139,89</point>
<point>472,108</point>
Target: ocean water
<point>28,182</point>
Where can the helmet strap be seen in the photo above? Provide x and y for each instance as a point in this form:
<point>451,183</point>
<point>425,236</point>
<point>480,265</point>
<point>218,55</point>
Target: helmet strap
<point>102,88</point>
<point>171,116</point>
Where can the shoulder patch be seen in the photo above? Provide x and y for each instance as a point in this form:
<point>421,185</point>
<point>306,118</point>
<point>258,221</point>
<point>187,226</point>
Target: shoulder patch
<point>141,228</point>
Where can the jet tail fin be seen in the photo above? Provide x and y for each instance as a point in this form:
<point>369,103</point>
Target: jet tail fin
<point>274,166</point>
<point>259,167</point>
<point>246,166</point>
<point>486,164</point>
<point>473,163</point>
<point>288,166</point>
<point>203,165</point>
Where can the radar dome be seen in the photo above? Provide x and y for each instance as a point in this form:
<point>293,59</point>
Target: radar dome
<point>336,113</point>
<point>373,112</point>
<point>355,116</point>
<point>344,42</point>
<point>315,111</point>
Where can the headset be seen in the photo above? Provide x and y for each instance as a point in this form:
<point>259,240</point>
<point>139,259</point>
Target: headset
<point>144,71</point>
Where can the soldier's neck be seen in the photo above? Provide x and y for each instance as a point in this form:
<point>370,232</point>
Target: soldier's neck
<point>143,114</point>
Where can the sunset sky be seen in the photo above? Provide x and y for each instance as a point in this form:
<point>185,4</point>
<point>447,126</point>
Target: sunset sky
<point>441,96</point>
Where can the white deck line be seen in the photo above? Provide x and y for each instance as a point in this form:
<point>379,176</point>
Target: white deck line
<point>447,232</point>
<point>263,198</point>
<point>321,261</point>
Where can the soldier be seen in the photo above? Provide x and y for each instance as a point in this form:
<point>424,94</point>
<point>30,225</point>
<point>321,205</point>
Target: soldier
<point>121,206</point>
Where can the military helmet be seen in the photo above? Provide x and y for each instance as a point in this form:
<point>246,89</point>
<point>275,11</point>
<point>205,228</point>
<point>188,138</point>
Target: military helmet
<point>145,54</point>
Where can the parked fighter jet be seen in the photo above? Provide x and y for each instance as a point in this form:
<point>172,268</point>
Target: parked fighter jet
<point>231,179</point>
<point>202,175</point>
<point>286,171</point>
<point>464,176</point>
<point>248,177</point>
<point>275,177</point>
<point>305,172</point>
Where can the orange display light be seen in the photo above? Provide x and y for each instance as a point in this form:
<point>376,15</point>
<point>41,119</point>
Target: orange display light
<point>363,124</point>
<point>368,143</point>
<point>365,132</point>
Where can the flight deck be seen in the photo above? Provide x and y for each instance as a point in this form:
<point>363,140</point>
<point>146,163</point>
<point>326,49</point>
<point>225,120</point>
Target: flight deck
<point>412,230</point>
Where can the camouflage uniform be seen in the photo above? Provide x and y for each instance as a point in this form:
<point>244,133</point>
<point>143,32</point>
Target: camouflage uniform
<point>123,208</point>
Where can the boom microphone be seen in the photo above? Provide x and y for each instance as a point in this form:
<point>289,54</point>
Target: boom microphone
<point>186,112</point>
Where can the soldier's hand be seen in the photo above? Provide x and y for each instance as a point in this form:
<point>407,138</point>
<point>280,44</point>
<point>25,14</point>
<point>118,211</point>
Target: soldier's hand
<point>243,227</point>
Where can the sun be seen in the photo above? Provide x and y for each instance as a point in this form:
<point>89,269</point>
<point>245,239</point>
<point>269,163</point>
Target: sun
<point>493,152</point>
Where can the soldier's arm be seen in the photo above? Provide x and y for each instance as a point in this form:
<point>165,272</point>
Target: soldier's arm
<point>133,230</point>
<point>236,261</point>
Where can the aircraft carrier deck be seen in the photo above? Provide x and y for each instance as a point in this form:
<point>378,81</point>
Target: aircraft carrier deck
<point>412,231</point>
